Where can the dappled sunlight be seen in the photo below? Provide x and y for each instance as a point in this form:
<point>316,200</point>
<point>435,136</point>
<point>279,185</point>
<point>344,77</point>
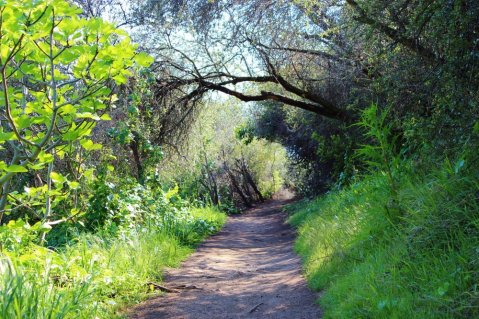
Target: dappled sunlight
<point>248,270</point>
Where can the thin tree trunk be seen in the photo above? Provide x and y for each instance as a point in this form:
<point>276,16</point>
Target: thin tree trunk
<point>250,180</point>
<point>237,187</point>
<point>213,186</point>
<point>134,146</point>
<point>48,204</point>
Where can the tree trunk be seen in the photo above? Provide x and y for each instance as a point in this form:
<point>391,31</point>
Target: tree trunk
<point>252,183</point>
<point>134,146</point>
<point>237,187</point>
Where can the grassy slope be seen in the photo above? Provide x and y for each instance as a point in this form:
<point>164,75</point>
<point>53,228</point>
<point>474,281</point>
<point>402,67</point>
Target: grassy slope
<point>424,266</point>
<point>97,277</point>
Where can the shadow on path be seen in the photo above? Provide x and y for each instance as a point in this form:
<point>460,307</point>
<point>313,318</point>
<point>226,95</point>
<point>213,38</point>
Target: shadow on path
<point>248,270</point>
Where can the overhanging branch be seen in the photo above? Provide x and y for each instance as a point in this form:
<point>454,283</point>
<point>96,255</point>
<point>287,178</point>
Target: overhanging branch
<point>265,95</point>
<point>393,34</point>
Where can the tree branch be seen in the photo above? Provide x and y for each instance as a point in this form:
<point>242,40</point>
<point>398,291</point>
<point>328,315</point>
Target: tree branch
<point>393,34</point>
<point>264,95</point>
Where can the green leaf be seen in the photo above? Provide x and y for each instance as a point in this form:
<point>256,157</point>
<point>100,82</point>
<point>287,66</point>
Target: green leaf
<point>120,79</point>
<point>68,109</point>
<point>88,145</point>
<point>37,166</point>
<point>15,169</point>
<point>88,115</point>
<point>45,157</point>
<point>89,174</point>
<point>105,117</point>
<point>71,135</point>
<point>60,154</point>
<point>58,178</point>
<point>143,59</point>
<point>23,121</point>
<point>74,185</point>
<point>7,136</point>
<point>68,56</point>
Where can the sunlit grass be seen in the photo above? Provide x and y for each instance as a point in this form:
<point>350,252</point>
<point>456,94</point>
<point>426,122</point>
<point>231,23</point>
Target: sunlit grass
<point>97,276</point>
<point>426,265</point>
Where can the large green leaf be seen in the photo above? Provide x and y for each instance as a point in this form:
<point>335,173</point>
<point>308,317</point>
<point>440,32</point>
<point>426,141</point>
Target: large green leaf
<point>15,169</point>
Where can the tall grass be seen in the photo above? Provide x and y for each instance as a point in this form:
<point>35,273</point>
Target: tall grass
<point>424,265</point>
<point>97,276</point>
<point>25,295</point>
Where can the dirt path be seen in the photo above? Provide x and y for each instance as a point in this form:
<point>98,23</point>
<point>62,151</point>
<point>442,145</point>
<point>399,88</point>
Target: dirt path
<point>248,270</point>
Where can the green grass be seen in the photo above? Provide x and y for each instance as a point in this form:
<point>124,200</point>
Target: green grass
<point>424,265</point>
<point>97,277</point>
<point>210,215</point>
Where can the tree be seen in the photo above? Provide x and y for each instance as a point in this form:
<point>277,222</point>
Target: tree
<point>333,58</point>
<point>58,74</point>
<point>247,50</point>
<point>217,166</point>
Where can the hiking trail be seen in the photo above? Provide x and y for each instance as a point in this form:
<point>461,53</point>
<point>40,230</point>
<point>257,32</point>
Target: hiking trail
<point>247,270</point>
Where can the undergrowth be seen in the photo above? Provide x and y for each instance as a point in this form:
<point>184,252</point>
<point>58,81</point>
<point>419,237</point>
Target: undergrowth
<point>98,274</point>
<point>425,264</point>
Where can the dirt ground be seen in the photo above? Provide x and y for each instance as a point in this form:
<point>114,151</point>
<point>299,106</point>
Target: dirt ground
<point>248,270</point>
